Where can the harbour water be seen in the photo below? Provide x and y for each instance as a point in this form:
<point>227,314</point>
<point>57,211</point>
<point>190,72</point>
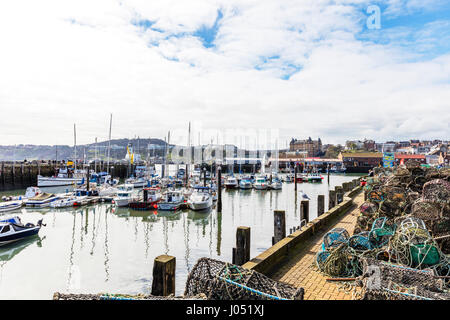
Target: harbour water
<point>100,248</point>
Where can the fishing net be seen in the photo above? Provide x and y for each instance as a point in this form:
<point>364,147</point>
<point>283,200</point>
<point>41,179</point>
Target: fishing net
<point>219,280</point>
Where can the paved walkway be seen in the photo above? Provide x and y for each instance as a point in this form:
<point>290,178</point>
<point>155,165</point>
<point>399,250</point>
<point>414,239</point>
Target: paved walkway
<point>300,270</point>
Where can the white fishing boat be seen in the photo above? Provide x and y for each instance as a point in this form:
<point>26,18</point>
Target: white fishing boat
<point>124,195</point>
<point>245,183</point>
<point>200,199</point>
<point>231,183</point>
<point>260,183</point>
<point>171,200</point>
<point>42,200</point>
<point>275,184</point>
<point>63,178</point>
<point>10,205</point>
<point>313,177</point>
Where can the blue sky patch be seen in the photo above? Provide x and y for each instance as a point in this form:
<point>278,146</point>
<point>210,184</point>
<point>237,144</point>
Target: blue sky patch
<point>208,34</point>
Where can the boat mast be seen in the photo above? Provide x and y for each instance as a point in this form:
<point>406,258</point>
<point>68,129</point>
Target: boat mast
<point>109,143</point>
<point>95,161</point>
<point>75,143</point>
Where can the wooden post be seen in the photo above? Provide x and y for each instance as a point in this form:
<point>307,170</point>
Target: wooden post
<point>295,177</point>
<point>219,189</point>
<point>3,173</point>
<point>204,177</point>
<point>304,211</point>
<point>279,222</point>
<point>164,276</point>
<point>320,204</point>
<point>339,194</point>
<point>241,254</point>
<point>331,199</point>
<point>13,174</point>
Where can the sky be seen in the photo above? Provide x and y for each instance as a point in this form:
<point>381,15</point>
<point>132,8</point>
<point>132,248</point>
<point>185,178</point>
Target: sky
<point>301,68</point>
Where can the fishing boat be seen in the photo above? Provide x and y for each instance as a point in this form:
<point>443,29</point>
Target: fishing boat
<point>314,177</point>
<point>200,199</point>
<point>171,200</point>
<point>63,178</point>
<point>124,195</point>
<point>42,200</point>
<point>275,184</point>
<point>260,183</point>
<point>12,230</point>
<point>63,203</point>
<point>231,183</point>
<point>10,205</point>
<point>147,201</point>
<point>245,183</point>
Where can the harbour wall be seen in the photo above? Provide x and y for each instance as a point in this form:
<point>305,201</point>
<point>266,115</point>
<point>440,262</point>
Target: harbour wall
<point>20,175</point>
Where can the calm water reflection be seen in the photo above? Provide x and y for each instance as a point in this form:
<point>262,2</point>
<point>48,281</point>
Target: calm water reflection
<point>101,248</point>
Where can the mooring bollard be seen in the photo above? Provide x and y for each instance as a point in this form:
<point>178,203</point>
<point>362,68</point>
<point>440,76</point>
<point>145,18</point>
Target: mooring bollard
<point>339,195</point>
<point>279,222</point>
<point>241,254</point>
<point>304,211</point>
<point>320,204</point>
<point>164,276</point>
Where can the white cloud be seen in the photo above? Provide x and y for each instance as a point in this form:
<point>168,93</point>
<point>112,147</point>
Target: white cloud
<point>76,61</point>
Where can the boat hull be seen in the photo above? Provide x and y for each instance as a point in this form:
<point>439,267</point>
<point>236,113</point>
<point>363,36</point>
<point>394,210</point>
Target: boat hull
<point>167,206</point>
<point>196,206</point>
<point>121,202</point>
<point>19,236</point>
<point>57,182</point>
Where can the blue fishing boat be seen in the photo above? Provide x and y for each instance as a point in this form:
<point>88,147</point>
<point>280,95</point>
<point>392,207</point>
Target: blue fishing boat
<point>12,230</point>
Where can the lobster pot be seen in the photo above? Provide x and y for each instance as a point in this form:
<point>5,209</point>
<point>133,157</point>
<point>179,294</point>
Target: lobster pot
<point>219,280</point>
<point>385,281</point>
<point>108,296</point>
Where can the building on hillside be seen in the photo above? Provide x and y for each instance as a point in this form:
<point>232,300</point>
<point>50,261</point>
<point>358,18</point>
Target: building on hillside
<point>369,145</point>
<point>360,162</point>
<point>312,147</point>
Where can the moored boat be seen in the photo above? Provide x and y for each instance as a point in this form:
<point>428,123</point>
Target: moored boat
<point>13,230</point>
<point>231,183</point>
<point>10,205</point>
<point>171,200</point>
<point>42,200</point>
<point>200,199</point>
<point>260,183</point>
